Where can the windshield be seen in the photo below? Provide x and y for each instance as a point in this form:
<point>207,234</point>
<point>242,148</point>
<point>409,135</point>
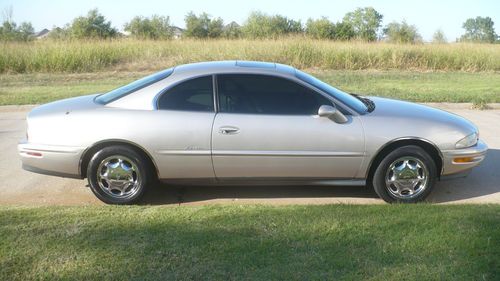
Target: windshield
<point>345,98</point>
<point>132,87</point>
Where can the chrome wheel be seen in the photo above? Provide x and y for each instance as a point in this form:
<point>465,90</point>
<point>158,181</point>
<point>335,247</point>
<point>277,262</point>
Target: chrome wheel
<point>406,178</point>
<point>118,176</point>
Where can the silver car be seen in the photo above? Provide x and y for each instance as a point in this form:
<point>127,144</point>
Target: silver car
<point>241,122</point>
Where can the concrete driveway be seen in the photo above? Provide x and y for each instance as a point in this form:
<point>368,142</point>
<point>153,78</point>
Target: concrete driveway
<point>23,188</point>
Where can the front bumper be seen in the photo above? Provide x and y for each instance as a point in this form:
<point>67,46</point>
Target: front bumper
<point>53,160</point>
<point>476,154</point>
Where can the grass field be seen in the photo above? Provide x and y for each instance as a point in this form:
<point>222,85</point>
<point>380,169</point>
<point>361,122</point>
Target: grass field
<point>479,87</point>
<point>331,242</point>
<point>423,73</point>
<point>88,56</point>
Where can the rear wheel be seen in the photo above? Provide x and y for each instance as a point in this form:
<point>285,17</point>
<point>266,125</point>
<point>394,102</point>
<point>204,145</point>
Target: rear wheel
<point>405,175</point>
<point>118,175</point>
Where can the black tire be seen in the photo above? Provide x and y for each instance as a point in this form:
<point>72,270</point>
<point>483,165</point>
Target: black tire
<point>387,192</point>
<point>138,168</point>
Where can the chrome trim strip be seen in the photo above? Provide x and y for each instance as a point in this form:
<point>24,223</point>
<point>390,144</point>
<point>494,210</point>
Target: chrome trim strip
<point>24,150</point>
<point>286,153</point>
<point>184,152</point>
<point>27,147</point>
<point>278,153</point>
<point>266,181</point>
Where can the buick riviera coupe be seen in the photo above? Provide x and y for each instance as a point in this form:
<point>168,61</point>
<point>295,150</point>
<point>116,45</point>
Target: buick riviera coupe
<point>242,122</point>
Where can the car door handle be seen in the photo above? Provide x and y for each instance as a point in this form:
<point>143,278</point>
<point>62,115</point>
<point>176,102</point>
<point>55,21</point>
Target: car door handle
<point>228,130</point>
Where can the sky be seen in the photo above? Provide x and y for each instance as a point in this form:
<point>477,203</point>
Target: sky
<point>426,15</point>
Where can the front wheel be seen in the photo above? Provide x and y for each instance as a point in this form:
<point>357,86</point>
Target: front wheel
<point>406,175</point>
<point>118,175</point>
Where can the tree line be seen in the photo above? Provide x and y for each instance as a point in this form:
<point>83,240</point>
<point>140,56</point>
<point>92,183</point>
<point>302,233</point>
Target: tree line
<point>364,24</point>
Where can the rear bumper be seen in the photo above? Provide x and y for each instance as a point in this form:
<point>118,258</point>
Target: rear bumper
<point>63,161</point>
<point>476,154</point>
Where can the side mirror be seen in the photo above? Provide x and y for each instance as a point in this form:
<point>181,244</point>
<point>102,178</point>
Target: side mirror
<point>332,113</point>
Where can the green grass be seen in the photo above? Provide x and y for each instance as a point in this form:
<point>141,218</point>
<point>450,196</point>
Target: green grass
<point>88,56</point>
<point>330,242</point>
<point>41,88</point>
<point>479,87</point>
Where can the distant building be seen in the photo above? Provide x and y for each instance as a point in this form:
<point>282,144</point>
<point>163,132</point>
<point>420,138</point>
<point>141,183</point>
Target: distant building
<point>42,33</point>
<point>124,33</point>
<point>177,32</point>
<point>232,25</point>
<point>232,30</point>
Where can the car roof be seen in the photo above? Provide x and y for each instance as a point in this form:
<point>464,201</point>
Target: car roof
<point>232,66</point>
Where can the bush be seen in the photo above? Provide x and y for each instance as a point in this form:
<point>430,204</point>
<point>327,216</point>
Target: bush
<point>325,29</point>
<point>439,38</point>
<point>156,27</point>
<point>402,33</point>
<point>94,25</point>
<point>203,26</point>
<point>9,31</point>
<point>260,25</point>
<point>320,28</point>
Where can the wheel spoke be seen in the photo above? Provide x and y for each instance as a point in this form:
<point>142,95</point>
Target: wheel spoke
<point>117,176</point>
<point>406,177</point>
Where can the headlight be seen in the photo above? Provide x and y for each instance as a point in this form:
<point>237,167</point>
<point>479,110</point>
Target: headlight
<point>468,141</point>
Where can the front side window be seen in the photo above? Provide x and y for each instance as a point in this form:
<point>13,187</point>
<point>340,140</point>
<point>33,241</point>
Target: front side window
<point>345,98</point>
<point>262,94</point>
<point>192,95</point>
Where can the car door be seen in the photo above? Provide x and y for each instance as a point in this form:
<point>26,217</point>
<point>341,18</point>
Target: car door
<point>185,117</point>
<point>268,127</point>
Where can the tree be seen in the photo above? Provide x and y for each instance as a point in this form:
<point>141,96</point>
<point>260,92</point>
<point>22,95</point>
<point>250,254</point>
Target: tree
<point>320,29</point>
<point>260,25</point>
<point>94,25</point>
<point>325,29</point>
<point>293,26</point>
<point>203,26</point>
<point>10,31</point>
<point>344,31</point>
<point>156,27</point>
<point>402,33</point>
<point>365,22</point>
<point>479,30</point>
<point>215,28</point>
<point>26,31</point>
<point>439,37</point>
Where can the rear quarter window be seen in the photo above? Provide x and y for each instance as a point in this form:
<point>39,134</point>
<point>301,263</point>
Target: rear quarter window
<point>191,95</point>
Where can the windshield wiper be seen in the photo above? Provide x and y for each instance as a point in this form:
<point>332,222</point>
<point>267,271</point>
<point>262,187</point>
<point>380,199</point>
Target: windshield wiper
<point>370,105</point>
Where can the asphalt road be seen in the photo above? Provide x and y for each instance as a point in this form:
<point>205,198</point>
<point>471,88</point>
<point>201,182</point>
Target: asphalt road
<point>18,187</point>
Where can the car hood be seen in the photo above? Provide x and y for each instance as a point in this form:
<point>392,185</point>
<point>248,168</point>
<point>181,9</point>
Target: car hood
<point>394,119</point>
<point>385,107</point>
<point>65,106</point>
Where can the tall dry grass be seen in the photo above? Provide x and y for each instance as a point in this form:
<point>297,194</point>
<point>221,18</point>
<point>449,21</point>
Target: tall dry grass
<point>87,56</point>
